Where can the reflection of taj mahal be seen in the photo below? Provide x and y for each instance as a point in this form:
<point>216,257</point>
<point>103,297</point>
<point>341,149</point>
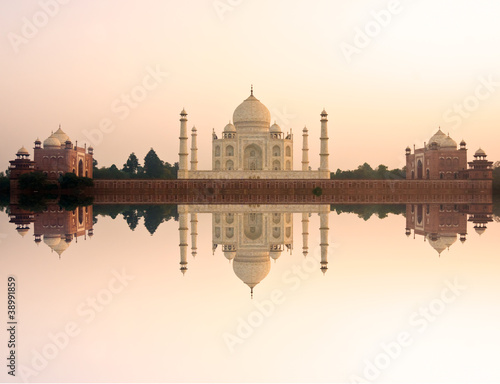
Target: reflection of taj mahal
<point>251,147</point>
<point>251,236</point>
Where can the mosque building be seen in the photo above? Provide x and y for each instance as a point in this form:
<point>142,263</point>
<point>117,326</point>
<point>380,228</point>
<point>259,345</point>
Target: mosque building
<point>55,227</point>
<point>250,147</point>
<point>56,157</point>
<point>442,224</point>
<point>442,159</point>
<point>252,236</point>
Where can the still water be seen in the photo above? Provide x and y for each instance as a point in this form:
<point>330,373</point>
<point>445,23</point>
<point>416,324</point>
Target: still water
<point>340,293</point>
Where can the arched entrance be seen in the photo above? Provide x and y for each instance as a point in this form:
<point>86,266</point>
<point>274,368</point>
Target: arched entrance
<point>80,168</point>
<point>252,158</point>
<point>420,169</point>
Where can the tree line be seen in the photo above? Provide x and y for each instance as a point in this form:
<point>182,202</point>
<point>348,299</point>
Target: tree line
<point>366,172</point>
<point>152,168</point>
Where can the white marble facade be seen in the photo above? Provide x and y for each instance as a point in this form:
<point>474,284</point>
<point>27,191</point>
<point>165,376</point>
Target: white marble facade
<point>251,147</point>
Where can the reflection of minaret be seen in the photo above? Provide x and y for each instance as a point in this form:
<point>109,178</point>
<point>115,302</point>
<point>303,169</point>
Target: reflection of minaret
<point>183,235</point>
<point>194,233</point>
<point>305,233</point>
<point>323,229</point>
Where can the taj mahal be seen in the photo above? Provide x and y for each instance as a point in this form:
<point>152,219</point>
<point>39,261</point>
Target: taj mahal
<point>251,148</point>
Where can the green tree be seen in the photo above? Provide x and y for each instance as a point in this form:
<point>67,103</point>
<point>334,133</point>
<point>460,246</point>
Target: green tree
<point>132,165</point>
<point>35,181</point>
<point>153,166</point>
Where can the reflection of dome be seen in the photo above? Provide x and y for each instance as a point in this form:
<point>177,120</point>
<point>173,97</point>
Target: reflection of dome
<point>22,231</point>
<point>480,152</point>
<point>51,141</point>
<point>442,140</point>
<point>61,247</point>
<point>60,135</point>
<point>51,240</point>
<point>275,128</point>
<point>480,230</point>
<point>229,128</point>
<point>230,255</point>
<point>23,152</point>
<point>441,242</point>
<point>252,114</point>
<point>275,254</point>
<point>252,269</point>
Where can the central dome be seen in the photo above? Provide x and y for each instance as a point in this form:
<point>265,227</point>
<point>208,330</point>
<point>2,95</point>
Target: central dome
<point>252,114</point>
<point>442,140</point>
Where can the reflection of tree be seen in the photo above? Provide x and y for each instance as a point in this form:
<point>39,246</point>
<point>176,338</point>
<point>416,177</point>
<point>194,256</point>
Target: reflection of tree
<point>131,218</point>
<point>365,211</point>
<point>153,215</point>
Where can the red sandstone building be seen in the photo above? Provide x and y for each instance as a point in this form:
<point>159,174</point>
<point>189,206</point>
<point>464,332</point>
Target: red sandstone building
<point>55,227</point>
<point>442,159</point>
<point>57,157</point>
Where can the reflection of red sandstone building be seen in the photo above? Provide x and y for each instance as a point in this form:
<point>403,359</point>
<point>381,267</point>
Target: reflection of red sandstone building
<point>441,159</point>
<point>55,226</point>
<point>57,157</point>
<point>440,224</point>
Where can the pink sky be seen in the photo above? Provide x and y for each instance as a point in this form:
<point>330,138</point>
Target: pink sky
<point>424,66</point>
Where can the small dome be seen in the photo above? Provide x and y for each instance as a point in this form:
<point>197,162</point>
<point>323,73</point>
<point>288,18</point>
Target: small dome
<point>463,143</point>
<point>275,128</point>
<point>60,135</point>
<point>305,129</point>
<point>442,242</point>
<point>229,127</point>
<point>22,231</point>
<point>480,152</point>
<point>61,247</point>
<point>51,240</point>
<point>37,141</point>
<point>480,230</point>
<point>230,255</point>
<point>23,151</point>
<point>275,254</point>
<point>252,114</point>
<point>51,142</point>
<point>442,140</point>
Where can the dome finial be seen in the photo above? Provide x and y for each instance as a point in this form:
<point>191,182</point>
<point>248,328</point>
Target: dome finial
<point>251,89</point>
<point>251,293</point>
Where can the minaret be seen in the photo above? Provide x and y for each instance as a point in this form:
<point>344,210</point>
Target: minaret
<point>183,235</point>
<point>323,167</point>
<point>305,150</point>
<point>194,233</point>
<point>305,233</point>
<point>183,147</point>
<point>194,150</point>
<point>323,230</point>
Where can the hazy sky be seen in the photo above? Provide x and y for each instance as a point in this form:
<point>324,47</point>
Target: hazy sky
<point>387,72</point>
